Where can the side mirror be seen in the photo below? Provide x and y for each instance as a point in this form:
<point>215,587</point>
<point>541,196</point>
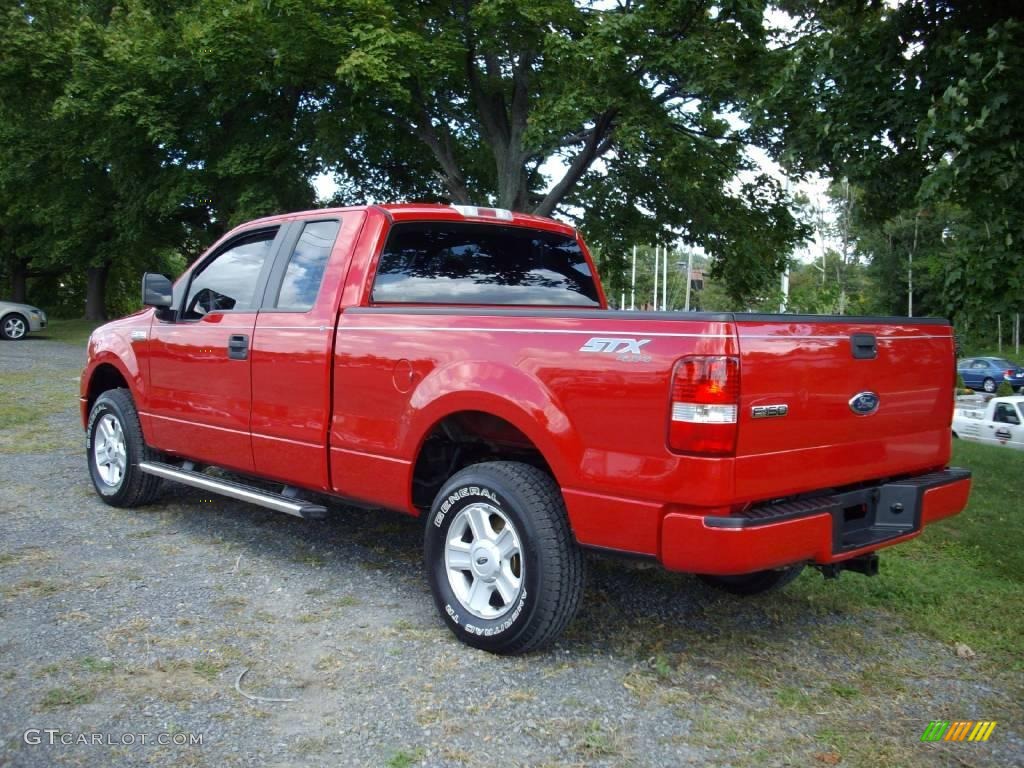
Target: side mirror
<point>156,291</point>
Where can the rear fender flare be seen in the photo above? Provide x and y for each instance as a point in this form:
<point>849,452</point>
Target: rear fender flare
<point>500,390</point>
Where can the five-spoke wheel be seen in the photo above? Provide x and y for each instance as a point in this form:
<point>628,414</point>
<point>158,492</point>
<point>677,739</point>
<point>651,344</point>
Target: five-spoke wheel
<point>484,561</point>
<point>504,568</point>
<point>108,450</point>
<point>13,327</point>
<point>114,447</point>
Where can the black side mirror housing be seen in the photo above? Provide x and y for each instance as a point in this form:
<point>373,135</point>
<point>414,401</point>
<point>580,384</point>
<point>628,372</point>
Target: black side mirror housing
<point>158,292</point>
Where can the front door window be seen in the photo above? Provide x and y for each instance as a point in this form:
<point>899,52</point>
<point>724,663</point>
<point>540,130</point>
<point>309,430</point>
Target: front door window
<point>228,283</point>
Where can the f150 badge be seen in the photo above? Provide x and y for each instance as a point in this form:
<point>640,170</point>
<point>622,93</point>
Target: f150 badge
<point>769,411</point>
<point>625,350</point>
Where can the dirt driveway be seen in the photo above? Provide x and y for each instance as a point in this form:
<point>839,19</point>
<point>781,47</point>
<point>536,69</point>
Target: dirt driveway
<point>137,624</point>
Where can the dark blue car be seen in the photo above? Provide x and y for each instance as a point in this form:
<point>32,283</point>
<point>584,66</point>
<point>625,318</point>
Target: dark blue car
<point>985,373</point>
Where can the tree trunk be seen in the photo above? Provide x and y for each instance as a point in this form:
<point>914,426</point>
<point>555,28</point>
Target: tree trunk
<point>19,281</point>
<point>96,292</point>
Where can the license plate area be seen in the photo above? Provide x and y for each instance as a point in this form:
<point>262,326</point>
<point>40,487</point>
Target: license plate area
<point>870,516</point>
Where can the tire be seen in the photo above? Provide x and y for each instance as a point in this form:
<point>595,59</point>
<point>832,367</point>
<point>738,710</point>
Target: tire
<point>989,385</point>
<point>114,448</point>
<point>506,522</point>
<point>14,327</point>
<point>755,583</point>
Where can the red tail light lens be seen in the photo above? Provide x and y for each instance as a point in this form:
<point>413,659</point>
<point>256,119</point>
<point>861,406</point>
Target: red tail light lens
<point>705,405</point>
<point>1009,373</point>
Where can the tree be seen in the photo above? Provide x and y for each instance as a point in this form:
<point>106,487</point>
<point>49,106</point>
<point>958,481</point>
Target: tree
<point>126,137</point>
<point>145,126</point>
<point>626,103</point>
<point>918,105</point>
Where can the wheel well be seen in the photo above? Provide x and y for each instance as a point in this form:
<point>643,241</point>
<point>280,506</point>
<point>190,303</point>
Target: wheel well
<point>104,378</point>
<point>464,438</point>
<point>14,312</point>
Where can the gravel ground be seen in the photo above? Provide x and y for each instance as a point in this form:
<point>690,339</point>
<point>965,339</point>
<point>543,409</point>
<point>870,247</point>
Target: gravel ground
<point>138,622</point>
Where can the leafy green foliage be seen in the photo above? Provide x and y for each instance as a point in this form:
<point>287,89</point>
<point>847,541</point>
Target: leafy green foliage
<point>917,105</point>
<point>156,126</point>
<point>136,133</point>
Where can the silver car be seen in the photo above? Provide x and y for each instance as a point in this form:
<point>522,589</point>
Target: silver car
<point>17,320</point>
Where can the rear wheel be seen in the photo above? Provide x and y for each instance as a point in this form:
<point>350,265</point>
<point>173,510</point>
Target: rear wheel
<point>114,449</point>
<point>755,583</point>
<point>505,571</point>
<point>13,327</point>
<point>989,385</point>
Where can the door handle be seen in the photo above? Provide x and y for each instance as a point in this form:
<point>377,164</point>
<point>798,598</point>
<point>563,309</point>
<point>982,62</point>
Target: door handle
<point>238,347</point>
<point>864,346</point>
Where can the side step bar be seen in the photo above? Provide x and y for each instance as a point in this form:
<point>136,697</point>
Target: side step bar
<point>240,491</point>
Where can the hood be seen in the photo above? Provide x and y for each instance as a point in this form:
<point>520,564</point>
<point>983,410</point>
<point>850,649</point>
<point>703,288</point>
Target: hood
<point>16,305</point>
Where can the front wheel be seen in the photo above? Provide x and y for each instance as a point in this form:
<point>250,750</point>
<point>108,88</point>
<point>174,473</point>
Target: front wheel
<point>13,327</point>
<point>114,449</point>
<point>989,385</point>
<point>755,583</point>
<point>504,569</point>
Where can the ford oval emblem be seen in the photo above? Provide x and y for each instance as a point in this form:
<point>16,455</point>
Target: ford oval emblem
<point>865,403</point>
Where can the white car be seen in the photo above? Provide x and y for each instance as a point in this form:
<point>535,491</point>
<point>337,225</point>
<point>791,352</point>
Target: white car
<point>997,422</point>
<point>18,320</point>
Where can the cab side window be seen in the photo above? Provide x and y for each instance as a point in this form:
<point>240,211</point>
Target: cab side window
<point>1005,414</point>
<point>305,271</point>
<point>228,282</point>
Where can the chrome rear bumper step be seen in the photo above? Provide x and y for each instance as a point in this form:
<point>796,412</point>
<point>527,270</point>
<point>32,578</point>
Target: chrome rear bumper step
<point>276,501</point>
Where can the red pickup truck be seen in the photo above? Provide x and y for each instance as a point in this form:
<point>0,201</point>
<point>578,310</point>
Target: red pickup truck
<point>461,364</point>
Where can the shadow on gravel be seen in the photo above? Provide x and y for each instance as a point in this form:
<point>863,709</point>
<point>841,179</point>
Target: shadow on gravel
<point>630,607</point>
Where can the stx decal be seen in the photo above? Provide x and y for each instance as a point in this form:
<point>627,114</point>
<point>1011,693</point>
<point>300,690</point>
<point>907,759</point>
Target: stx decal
<point>612,346</point>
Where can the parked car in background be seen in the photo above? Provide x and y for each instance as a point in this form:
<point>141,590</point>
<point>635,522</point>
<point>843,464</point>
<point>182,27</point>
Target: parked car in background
<point>17,320</point>
<point>997,422</point>
<point>985,373</point>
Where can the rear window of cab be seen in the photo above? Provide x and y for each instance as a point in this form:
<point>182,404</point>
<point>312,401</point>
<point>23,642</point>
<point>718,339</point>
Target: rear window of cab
<point>436,262</point>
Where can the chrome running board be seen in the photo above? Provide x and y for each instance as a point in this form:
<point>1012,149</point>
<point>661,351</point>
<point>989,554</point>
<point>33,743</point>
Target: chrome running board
<point>276,501</point>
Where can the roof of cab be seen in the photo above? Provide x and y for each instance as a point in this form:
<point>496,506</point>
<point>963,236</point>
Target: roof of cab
<point>434,212</point>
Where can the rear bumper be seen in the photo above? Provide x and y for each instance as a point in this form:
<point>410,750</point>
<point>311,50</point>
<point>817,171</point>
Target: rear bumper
<point>822,529</point>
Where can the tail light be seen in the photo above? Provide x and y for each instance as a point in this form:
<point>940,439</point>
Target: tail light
<point>705,405</point>
<point>1009,373</point>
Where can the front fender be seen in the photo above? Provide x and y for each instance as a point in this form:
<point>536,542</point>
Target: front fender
<point>500,390</point>
<point>113,347</point>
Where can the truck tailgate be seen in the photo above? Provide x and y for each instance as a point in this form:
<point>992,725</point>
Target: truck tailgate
<point>810,367</point>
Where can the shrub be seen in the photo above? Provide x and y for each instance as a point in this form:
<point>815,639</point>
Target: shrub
<point>1004,389</point>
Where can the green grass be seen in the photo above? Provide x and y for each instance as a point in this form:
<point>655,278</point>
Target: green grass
<point>962,580</point>
<point>69,331</point>
<point>404,759</point>
<point>73,695</point>
<point>23,427</point>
